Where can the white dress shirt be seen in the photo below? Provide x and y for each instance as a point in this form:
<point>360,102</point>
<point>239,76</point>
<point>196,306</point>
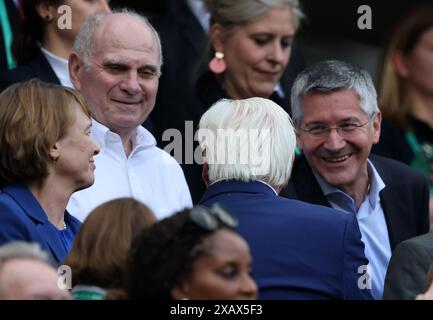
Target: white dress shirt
<point>60,67</point>
<point>149,175</point>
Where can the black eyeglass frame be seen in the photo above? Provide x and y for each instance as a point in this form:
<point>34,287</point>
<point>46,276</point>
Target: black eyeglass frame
<point>327,130</point>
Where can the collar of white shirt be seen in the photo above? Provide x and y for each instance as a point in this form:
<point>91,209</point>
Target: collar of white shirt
<point>60,67</point>
<point>103,135</point>
<point>376,185</point>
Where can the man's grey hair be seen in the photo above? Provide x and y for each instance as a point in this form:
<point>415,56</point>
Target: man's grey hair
<point>329,76</point>
<point>21,250</point>
<point>83,44</point>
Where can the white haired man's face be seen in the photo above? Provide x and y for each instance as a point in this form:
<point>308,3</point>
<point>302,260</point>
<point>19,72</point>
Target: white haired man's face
<point>122,80</point>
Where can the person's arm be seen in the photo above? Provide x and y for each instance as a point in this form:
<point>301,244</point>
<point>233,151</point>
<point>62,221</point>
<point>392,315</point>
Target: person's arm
<point>407,270</point>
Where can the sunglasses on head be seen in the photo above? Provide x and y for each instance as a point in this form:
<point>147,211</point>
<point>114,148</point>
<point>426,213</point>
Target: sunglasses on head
<point>212,218</point>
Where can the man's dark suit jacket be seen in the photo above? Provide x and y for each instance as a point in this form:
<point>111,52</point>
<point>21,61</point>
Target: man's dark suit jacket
<point>37,68</point>
<point>408,267</point>
<point>299,250</point>
<point>405,198</point>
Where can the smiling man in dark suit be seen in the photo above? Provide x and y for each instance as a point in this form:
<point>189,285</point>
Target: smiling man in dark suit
<point>334,108</point>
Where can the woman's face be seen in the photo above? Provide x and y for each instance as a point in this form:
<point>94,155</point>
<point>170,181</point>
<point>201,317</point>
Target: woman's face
<point>223,273</point>
<point>257,53</point>
<point>75,165</point>
<point>419,63</point>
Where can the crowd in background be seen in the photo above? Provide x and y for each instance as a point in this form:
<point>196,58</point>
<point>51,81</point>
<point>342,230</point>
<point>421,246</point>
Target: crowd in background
<point>335,200</point>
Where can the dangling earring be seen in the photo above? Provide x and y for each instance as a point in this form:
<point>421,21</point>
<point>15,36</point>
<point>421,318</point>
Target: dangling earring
<point>217,64</point>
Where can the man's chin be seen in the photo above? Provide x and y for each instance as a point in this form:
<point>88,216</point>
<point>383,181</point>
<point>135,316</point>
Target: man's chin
<point>338,180</point>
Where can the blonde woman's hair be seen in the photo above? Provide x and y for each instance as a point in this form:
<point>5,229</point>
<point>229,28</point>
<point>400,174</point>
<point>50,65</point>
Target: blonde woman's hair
<point>393,99</point>
<point>34,115</point>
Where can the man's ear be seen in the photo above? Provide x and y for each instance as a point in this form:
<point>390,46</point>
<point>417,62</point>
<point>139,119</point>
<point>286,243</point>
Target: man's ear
<point>377,121</point>
<point>205,174</point>
<point>299,143</point>
<point>216,37</point>
<point>74,70</point>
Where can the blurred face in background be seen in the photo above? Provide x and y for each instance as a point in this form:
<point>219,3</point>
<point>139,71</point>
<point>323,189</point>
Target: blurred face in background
<point>255,53</point>
<point>29,279</point>
<point>417,67</point>
<point>223,273</point>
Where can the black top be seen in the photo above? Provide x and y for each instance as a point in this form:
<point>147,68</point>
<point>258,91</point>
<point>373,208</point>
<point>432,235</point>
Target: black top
<point>38,67</point>
<point>393,143</point>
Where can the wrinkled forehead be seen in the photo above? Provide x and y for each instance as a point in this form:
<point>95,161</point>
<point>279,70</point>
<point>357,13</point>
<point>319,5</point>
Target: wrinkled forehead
<point>123,31</point>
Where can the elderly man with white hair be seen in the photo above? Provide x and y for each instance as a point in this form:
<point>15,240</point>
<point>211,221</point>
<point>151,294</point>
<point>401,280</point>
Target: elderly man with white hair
<point>300,251</point>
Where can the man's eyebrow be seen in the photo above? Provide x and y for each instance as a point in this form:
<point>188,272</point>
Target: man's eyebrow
<point>150,67</point>
<point>119,63</point>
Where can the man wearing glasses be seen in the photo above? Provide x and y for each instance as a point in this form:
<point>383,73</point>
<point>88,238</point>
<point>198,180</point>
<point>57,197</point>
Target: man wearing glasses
<point>335,112</point>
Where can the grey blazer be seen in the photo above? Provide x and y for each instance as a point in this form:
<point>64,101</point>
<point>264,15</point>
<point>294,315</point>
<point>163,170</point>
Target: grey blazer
<point>408,267</point>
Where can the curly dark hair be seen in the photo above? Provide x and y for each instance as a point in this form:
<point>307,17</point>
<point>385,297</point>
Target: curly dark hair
<point>164,254</point>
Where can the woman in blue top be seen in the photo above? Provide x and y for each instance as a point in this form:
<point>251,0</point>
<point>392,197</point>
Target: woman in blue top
<point>46,155</point>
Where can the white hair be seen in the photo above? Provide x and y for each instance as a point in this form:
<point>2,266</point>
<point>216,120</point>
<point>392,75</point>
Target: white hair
<point>84,41</point>
<point>256,130</point>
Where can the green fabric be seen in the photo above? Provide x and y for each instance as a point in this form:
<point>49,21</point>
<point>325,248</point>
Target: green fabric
<point>82,292</point>
<point>423,156</point>
<point>7,34</point>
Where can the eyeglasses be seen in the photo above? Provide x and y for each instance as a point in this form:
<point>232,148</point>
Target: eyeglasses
<point>213,218</point>
<point>344,130</point>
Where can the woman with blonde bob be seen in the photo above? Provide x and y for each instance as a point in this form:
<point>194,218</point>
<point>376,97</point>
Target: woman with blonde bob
<point>46,155</point>
<point>100,252</point>
<point>406,95</point>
